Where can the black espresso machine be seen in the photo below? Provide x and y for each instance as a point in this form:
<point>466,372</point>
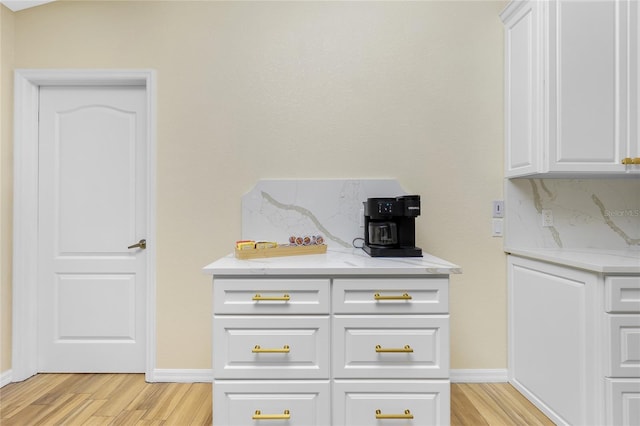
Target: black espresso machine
<point>389,226</point>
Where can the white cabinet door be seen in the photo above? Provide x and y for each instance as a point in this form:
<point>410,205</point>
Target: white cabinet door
<point>549,343</point>
<point>587,85</point>
<point>633,79</point>
<point>623,402</point>
<point>523,85</point>
<point>391,402</point>
<point>622,294</point>
<point>278,403</point>
<point>623,332</point>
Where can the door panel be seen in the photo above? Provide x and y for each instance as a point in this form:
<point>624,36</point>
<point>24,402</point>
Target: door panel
<point>106,304</point>
<point>95,155</point>
<point>92,206</point>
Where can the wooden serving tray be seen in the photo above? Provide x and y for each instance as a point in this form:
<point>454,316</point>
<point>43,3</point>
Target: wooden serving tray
<point>284,250</point>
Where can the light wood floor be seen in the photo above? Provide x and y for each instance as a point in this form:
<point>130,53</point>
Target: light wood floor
<point>126,399</point>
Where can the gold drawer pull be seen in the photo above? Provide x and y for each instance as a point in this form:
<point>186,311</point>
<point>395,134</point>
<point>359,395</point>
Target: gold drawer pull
<point>286,415</point>
<point>407,415</point>
<point>404,296</point>
<point>258,350</point>
<point>284,297</point>
<point>406,348</point>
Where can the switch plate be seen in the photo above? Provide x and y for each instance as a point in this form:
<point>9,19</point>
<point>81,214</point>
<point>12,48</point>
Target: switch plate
<point>496,227</point>
<point>498,209</point>
<point>547,218</point>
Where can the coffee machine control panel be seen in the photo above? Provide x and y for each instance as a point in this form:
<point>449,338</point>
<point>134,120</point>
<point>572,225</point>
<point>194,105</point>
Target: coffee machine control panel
<point>385,207</point>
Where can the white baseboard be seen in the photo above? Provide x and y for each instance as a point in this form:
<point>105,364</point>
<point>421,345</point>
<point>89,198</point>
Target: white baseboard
<point>5,377</point>
<point>206,376</point>
<point>498,375</point>
<point>182,375</point>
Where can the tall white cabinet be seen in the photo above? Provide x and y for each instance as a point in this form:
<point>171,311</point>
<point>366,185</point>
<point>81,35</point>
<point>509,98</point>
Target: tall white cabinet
<point>334,339</point>
<point>572,91</point>
<point>572,87</point>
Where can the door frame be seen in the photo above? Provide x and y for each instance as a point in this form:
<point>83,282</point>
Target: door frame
<point>27,84</point>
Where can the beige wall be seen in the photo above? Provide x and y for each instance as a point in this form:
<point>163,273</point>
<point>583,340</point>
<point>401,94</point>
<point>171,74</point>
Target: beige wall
<point>250,90</point>
<point>6,181</point>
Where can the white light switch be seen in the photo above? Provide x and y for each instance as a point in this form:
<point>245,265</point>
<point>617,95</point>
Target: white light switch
<point>496,227</point>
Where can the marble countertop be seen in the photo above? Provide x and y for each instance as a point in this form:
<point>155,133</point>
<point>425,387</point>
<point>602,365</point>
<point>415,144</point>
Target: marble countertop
<point>336,261</point>
<point>595,260</point>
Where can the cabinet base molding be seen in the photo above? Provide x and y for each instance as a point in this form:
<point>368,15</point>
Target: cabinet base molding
<point>483,375</point>
<point>186,375</point>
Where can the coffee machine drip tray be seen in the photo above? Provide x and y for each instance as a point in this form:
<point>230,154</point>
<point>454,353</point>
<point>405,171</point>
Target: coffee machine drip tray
<point>392,251</point>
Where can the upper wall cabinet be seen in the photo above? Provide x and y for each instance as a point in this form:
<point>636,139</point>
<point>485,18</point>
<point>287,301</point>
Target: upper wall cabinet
<point>571,87</point>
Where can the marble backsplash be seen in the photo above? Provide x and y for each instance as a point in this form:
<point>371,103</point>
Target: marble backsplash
<point>276,209</point>
<point>587,213</point>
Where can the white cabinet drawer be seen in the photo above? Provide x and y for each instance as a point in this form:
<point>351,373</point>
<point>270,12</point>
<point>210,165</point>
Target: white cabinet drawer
<point>300,403</point>
<point>624,341</point>
<point>274,347</point>
<point>390,296</point>
<point>396,346</point>
<point>622,294</point>
<point>271,296</point>
<point>622,402</point>
<point>416,402</point>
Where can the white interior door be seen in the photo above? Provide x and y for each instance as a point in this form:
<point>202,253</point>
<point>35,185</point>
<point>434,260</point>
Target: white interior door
<point>92,205</point>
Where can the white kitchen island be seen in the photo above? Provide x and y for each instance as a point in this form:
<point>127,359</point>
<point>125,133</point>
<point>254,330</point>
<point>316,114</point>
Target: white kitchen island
<point>332,339</point>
